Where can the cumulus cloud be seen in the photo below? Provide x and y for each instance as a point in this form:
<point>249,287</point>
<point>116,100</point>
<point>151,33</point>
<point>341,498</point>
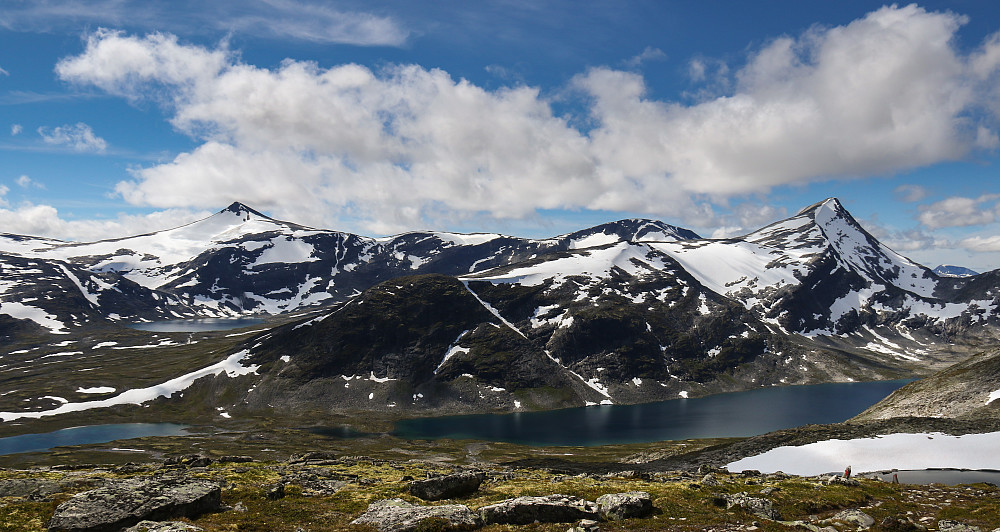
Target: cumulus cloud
<point>15,129</point>
<point>981,244</point>
<point>79,137</point>
<point>910,193</point>
<point>25,182</point>
<point>958,211</point>
<point>649,54</point>
<point>407,146</point>
<point>46,221</point>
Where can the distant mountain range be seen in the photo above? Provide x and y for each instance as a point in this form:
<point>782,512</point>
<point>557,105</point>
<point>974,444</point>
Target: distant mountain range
<point>624,312</point>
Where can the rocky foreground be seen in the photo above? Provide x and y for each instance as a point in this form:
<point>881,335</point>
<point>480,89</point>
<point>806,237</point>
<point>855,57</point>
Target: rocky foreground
<point>323,491</point>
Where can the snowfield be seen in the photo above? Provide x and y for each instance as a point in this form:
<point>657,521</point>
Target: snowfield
<point>893,451</point>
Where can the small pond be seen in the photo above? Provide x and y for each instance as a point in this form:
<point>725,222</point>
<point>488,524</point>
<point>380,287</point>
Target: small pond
<point>950,477</point>
<point>87,435</point>
<point>716,416</point>
<point>196,325</point>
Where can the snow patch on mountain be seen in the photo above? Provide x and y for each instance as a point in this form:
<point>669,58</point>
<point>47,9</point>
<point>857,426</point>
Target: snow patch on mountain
<point>231,366</point>
<point>41,317</point>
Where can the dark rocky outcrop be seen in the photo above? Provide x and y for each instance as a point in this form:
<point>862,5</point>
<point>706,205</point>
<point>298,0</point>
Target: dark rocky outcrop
<point>618,506</point>
<point>547,509</point>
<point>397,515</point>
<point>447,486</point>
<point>126,503</point>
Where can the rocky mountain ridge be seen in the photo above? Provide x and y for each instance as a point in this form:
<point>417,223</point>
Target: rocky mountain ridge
<point>626,312</point>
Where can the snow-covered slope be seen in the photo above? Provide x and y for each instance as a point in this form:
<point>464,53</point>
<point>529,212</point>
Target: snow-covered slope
<point>239,261</point>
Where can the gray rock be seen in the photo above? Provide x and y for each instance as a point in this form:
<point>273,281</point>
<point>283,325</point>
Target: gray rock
<point>126,503</point>
<point>618,506</point>
<point>163,526</point>
<point>397,515</point>
<point>273,492</point>
<point>585,525</point>
<point>447,486</point>
<point>32,488</point>
<point>855,517</point>
<point>547,509</point>
<point>710,480</point>
<point>755,505</point>
<point>956,526</point>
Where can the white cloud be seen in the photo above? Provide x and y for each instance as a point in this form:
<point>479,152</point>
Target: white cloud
<point>46,221</point>
<point>284,19</point>
<point>958,211</point>
<point>15,129</point>
<point>4,72</point>
<point>910,193</point>
<point>981,244</point>
<point>79,137</point>
<point>649,54</point>
<point>406,146</point>
<point>24,182</point>
<point>4,189</point>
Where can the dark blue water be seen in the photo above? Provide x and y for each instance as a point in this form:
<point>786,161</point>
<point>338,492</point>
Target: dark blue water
<point>196,325</point>
<point>85,435</point>
<point>716,416</point>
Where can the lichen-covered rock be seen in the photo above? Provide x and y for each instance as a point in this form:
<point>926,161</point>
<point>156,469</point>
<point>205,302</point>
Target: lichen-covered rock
<point>447,486</point>
<point>618,506</point>
<point>32,488</point>
<point>855,517</point>
<point>126,503</point>
<point>755,505</point>
<point>397,515</point>
<point>163,526</point>
<point>956,526</point>
<point>547,509</point>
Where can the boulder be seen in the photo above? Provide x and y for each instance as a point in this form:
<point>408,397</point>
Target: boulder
<point>35,489</point>
<point>755,505</point>
<point>163,526</point>
<point>397,515</point>
<point>585,525</point>
<point>855,517</point>
<point>126,503</point>
<point>618,506</point>
<point>447,486</point>
<point>956,526</point>
<point>547,509</point>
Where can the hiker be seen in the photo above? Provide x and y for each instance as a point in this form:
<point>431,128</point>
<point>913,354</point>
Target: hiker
<point>847,472</point>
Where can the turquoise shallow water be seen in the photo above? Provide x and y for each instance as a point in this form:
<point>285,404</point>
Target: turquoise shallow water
<point>725,415</point>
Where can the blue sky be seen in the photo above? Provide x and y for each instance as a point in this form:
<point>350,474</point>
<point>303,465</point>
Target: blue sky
<point>530,118</point>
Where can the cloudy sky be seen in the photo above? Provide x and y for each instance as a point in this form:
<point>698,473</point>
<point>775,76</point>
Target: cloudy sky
<point>527,117</point>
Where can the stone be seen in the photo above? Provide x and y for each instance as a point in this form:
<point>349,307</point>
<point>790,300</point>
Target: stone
<point>585,525</point>
<point>273,492</point>
<point>163,526</point>
<point>618,506</point>
<point>35,489</point>
<point>710,480</point>
<point>547,509</point>
<point>956,526</point>
<point>126,503</point>
<point>447,486</point>
<point>855,517</point>
<point>397,515</point>
<point>755,505</point>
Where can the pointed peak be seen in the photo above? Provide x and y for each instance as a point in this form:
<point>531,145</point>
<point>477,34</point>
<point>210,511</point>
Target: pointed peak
<point>239,208</point>
<point>830,203</point>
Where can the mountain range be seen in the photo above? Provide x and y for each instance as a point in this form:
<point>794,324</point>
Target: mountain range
<point>624,312</point>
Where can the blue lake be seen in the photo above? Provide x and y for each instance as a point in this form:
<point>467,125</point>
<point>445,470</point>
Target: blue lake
<point>725,415</point>
<point>196,325</point>
<point>86,435</point>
